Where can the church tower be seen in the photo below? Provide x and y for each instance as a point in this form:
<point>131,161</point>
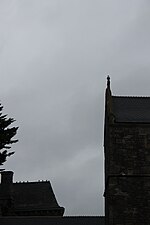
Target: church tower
<point>127,159</point>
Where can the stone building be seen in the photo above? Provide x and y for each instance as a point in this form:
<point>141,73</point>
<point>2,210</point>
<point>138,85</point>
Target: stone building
<point>34,203</point>
<point>127,159</point>
<point>27,198</point>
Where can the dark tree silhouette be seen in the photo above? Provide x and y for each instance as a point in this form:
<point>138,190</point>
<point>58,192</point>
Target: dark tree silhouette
<point>6,135</point>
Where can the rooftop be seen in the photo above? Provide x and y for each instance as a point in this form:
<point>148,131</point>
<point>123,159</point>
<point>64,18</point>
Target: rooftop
<point>27,198</point>
<point>72,220</point>
<point>131,109</point>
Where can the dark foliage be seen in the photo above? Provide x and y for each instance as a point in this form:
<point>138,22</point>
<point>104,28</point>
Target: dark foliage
<point>6,135</point>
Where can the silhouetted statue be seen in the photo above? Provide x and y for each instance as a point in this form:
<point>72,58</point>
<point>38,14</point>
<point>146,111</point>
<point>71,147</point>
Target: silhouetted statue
<point>6,135</point>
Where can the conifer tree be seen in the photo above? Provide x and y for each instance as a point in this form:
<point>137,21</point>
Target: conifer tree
<point>6,135</point>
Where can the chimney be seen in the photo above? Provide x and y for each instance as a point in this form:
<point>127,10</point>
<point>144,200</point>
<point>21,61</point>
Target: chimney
<point>7,177</point>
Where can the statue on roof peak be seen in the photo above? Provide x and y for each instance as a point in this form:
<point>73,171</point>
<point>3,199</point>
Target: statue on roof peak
<point>108,81</point>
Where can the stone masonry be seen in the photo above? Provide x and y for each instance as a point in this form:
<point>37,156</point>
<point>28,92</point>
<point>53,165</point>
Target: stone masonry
<point>127,160</point>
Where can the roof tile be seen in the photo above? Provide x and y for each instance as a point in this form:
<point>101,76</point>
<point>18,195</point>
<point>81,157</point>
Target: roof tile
<point>131,109</point>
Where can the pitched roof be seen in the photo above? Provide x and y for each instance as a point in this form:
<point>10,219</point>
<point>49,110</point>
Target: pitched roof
<point>34,195</point>
<point>131,109</point>
<point>31,197</point>
<point>73,220</point>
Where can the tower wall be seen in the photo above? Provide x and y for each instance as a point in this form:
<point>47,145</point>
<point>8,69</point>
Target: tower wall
<point>127,174</point>
<point>128,200</point>
<point>129,149</point>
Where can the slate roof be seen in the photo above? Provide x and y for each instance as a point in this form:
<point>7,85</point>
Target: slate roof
<point>131,109</point>
<point>34,195</point>
<point>78,220</point>
<point>29,197</point>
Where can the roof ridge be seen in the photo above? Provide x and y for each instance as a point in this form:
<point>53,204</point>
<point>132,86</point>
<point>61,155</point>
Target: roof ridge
<point>128,96</point>
<point>83,216</point>
<point>32,182</point>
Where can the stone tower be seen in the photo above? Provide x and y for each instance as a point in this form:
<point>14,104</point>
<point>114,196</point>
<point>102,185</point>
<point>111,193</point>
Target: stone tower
<point>127,159</point>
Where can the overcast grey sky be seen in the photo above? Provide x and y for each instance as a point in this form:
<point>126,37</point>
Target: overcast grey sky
<point>54,59</point>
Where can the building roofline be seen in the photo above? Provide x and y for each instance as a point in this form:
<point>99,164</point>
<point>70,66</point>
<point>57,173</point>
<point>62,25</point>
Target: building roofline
<point>128,96</point>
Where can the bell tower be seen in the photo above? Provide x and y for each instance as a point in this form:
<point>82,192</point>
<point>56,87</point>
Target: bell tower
<point>127,159</point>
